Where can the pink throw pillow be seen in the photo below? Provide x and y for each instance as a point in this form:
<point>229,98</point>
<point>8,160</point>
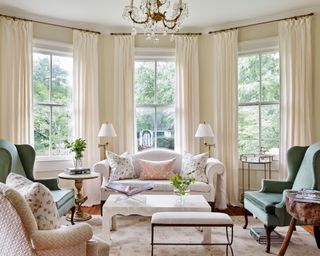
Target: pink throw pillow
<point>156,170</point>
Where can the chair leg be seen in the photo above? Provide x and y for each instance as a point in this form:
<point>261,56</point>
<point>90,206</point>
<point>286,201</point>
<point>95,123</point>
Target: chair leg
<point>101,206</point>
<point>316,231</point>
<point>73,209</point>
<point>268,232</point>
<point>212,206</point>
<point>245,218</point>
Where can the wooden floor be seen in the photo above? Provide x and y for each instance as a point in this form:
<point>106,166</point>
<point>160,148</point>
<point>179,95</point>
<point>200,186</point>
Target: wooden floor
<point>231,210</point>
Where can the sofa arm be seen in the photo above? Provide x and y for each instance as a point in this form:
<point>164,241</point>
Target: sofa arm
<point>103,168</point>
<point>62,237</point>
<point>275,186</point>
<point>214,168</point>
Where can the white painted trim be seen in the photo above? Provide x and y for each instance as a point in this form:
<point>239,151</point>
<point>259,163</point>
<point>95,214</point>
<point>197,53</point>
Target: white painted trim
<point>154,53</point>
<point>46,46</point>
<point>263,44</point>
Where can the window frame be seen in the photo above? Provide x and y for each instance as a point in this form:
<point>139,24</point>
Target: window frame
<point>155,55</point>
<point>254,47</point>
<point>61,50</point>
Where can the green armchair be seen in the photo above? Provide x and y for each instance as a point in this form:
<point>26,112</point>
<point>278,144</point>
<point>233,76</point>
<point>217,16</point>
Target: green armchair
<point>20,159</point>
<point>268,204</point>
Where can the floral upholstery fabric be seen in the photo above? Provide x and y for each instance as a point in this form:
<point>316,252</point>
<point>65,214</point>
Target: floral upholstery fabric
<point>121,166</point>
<point>195,165</point>
<point>156,170</point>
<point>39,199</point>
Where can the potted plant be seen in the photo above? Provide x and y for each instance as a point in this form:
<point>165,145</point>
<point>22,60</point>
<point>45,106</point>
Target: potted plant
<point>181,184</point>
<point>77,147</point>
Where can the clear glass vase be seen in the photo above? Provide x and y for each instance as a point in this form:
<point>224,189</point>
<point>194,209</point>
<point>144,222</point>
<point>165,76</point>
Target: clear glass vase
<point>181,195</point>
<point>77,162</point>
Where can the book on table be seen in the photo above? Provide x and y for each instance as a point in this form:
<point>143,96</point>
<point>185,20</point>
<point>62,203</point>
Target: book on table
<point>129,190</point>
<point>75,171</point>
<point>259,234</point>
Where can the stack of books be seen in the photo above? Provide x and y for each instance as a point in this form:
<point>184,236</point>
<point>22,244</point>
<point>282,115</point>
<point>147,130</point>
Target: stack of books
<point>308,196</point>
<point>74,171</point>
<point>259,234</point>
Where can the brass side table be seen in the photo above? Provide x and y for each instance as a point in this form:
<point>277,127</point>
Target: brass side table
<point>79,197</point>
<point>249,159</point>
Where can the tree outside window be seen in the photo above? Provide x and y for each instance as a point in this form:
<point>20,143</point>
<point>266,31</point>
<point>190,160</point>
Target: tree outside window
<point>155,103</point>
<point>259,102</point>
<point>52,93</point>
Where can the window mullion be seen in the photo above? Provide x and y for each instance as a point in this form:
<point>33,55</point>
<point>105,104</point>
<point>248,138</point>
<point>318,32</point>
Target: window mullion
<point>155,107</point>
<point>50,102</point>
<point>260,85</point>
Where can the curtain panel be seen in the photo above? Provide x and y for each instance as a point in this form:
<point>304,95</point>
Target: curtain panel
<point>296,86</point>
<point>16,104</point>
<point>187,94</point>
<point>124,107</point>
<point>225,102</point>
<point>85,54</point>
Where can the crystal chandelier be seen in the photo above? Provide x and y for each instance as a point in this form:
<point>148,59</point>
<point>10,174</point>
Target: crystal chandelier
<point>149,13</point>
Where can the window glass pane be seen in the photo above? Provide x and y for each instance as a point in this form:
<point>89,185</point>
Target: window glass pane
<point>145,127</point>
<point>61,129</point>
<point>249,78</point>
<point>270,126</point>
<point>165,127</point>
<point>144,82</point>
<point>270,79</point>
<point>61,80</point>
<point>248,129</point>
<point>41,77</point>
<point>42,130</point>
<point>165,82</point>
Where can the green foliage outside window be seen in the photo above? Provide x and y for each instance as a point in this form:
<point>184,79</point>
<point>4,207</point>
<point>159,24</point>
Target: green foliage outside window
<point>52,90</point>
<point>259,102</point>
<point>155,99</point>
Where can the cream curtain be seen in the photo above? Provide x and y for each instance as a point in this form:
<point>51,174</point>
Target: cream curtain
<point>16,123</point>
<point>296,86</point>
<point>225,102</point>
<point>187,94</point>
<point>124,108</point>
<point>85,54</point>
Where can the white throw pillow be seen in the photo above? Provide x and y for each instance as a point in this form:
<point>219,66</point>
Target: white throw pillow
<point>121,166</point>
<point>39,199</point>
<point>195,164</point>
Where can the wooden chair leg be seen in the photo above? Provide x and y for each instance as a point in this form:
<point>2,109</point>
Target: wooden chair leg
<point>73,209</point>
<point>245,218</point>
<point>268,232</point>
<point>286,240</point>
<point>101,206</point>
<point>316,231</point>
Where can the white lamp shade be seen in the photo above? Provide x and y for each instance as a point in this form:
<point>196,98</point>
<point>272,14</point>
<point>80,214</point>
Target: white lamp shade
<point>204,130</point>
<point>107,130</point>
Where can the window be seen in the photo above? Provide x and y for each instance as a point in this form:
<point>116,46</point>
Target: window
<point>259,102</point>
<point>155,103</point>
<point>52,96</point>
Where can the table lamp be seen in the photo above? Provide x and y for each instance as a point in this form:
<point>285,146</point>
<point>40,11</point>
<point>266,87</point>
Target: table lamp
<point>106,130</point>
<point>204,130</point>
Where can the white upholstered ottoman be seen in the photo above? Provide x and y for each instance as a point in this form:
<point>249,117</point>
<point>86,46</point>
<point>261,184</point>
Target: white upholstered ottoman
<point>192,219</point>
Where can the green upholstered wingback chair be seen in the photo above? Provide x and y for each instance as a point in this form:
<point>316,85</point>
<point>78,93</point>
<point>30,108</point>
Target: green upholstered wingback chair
<point>268,204</point>
<point>20,159</point>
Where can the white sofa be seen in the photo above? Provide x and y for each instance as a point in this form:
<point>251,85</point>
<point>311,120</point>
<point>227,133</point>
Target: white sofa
<point>213,191</point>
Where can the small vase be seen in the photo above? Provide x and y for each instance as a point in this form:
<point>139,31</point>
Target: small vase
<point>77,163</point>
<point>181,195</point>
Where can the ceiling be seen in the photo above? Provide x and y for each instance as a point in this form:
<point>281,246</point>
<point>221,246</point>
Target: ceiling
<point>106,15</point>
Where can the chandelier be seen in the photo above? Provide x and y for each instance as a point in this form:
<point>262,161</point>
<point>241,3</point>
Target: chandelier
<point>170,14</point>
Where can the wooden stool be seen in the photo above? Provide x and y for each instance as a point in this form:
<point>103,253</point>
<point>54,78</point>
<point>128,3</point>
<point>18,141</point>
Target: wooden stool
<point>192,219</point>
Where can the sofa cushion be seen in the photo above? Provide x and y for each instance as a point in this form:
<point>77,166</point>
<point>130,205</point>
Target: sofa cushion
<point>156,170</point>
<point>265,201</point>
<point>39,199</point>
<point>165,186</point>
<point>121,166</point>
<point>195,165</point>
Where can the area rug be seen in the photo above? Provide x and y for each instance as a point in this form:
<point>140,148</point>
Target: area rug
<point>132,238</point>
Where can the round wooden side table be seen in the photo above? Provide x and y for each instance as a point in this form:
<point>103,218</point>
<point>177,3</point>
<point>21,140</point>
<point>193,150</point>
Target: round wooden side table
<point>79,197</point>
<point>307,213</point>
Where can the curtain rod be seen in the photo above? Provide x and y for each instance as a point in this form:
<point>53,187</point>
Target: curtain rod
<point>261,23</point>
<point>179,34</point>
<point>47,23</point>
